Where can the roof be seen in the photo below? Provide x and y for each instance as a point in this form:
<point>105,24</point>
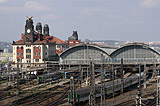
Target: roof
<point>53,39</point>
<point>135,44</point>
<point>82,45</point>
<point>41,40</point>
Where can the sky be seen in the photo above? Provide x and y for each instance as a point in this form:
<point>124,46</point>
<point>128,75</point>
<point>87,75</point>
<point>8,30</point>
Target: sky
<point>123,20</point>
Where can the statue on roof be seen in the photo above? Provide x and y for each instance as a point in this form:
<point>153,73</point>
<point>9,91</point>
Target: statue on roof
<point>29,18</point>
<point>74,36</point>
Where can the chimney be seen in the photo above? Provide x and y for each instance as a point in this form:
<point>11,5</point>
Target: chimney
<point>22,36</point>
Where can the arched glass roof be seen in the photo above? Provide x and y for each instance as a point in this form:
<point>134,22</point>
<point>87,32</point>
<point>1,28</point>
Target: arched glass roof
<point>136,53</point>
<point>81,54</point>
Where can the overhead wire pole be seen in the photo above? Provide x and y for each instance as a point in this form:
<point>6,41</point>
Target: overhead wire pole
<point>104,98</point>
<point>81,75</point>
<point>18,88</point>
<point>158,91</point>
<point>92,101</point>
<point>139,93</point>
<point>9,73</point>
<point>102,84</point>
<point>122,82</point>
<point>158,88</point>
<point>72,91</point>
<point>113,76</point>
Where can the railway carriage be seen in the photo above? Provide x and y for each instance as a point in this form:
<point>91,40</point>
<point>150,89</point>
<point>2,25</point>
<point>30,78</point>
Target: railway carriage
<point>83,94</point>
<point>49,77</point>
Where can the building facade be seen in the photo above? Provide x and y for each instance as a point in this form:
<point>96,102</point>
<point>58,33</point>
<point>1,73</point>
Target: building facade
<point>35,48</point>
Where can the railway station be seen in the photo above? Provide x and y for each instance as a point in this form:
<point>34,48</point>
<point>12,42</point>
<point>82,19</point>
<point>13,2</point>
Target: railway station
<point>48,71</point>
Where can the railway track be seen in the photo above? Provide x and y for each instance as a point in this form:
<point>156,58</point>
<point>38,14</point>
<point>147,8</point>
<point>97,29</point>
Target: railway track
<point>4,93</point>
<point>59,100</point>
<point>132,102</point>
<point>39,98</point>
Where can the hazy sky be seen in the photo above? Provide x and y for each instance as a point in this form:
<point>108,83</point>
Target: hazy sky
<point>133,20</point>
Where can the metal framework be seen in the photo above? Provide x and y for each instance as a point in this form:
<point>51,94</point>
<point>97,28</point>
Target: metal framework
<point>135,54</point>
<point>82,54</point>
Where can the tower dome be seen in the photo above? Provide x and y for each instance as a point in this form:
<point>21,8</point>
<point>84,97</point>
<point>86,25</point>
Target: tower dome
<point>39,28</point>
<point>46,30</point>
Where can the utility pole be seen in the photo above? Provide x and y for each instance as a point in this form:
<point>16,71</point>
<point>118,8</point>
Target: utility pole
<point>87,77</point>
<point>122,82</point>
<point>145,75</point>
<point>9,73</point>
<point>81,75</point>
<point>102,82</point>
<point>154,70</point>
<point>139,93</point>
<point>113,78</point>
<point>158,91</point>
<point>72,91</point>
<point>92,85</point>
<point>18,88</point>
<point>102,87</point>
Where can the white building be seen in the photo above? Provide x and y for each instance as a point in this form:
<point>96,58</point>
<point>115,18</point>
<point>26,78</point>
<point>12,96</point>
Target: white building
<point>34,48</point>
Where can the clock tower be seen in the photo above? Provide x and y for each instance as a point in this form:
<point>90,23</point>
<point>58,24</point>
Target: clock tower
<point>29,30</point>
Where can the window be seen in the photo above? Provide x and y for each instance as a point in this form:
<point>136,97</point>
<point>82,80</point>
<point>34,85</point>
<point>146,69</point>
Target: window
<point>17,54</point>
<point>37,60</point>
<point>28,56</point>
<point>34,53</point>
<point>39,47</point>
<point>38,53</point>
<point>34,47</point>
<point>28,50</point>
<point>28,61</point>
<point>21,54</point>
<point>28,45</point>
<point>17,48</point>
<point>21,47</point>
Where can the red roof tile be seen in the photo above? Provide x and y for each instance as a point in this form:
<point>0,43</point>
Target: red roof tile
<point>58,52</point>
<point>45,39</point>
<point>54,39</point>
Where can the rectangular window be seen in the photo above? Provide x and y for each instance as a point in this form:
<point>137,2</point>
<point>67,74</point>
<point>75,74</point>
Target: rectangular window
<point>28,50</point>
<point>34,53</point>
<point>38,53</point>
<point>37,60</point>
<point>28,56</point>
<point>17,54</point>
<point>21,54</point>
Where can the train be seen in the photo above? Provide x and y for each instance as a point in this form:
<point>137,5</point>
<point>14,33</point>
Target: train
<point>82,94</point>
<point>49,77</point>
